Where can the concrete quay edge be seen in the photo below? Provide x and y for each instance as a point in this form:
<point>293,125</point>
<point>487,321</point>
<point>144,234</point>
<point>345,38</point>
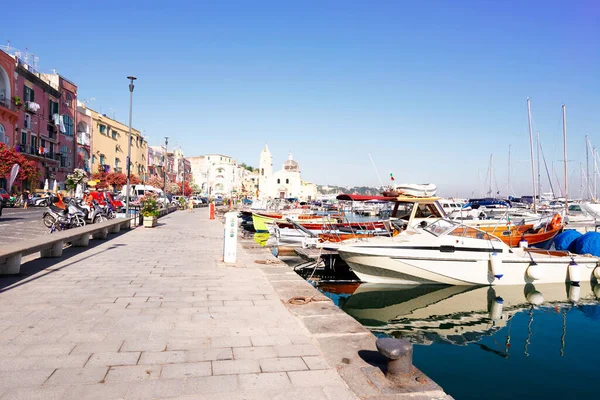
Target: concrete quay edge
<point>341,339</point>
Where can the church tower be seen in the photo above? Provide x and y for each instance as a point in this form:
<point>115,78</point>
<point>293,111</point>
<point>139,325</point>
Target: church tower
<point>265,173</point>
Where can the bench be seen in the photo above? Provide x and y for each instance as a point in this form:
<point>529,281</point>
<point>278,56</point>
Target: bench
<point>52,245</point>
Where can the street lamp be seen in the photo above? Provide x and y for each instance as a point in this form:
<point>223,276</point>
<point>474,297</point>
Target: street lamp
<point>131,86</point>
<point>166,165</point>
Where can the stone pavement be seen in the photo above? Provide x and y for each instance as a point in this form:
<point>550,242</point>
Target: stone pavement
<point>154,313</point>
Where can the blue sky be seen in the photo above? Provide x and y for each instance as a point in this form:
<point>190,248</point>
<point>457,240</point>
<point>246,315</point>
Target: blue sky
<point>428,88</point>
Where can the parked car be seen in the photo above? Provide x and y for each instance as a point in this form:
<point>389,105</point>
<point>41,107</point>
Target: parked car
<point>40,198</point>
<point>219,201</point>
<point>4,196</point>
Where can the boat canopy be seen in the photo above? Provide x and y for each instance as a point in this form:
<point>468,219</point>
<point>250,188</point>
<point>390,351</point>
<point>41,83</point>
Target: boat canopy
<point>360,197</point>
<point>401,198</point>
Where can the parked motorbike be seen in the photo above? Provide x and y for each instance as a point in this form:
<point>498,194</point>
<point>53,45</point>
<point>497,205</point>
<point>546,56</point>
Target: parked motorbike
<point>94,212</point>
<point>59,219</point>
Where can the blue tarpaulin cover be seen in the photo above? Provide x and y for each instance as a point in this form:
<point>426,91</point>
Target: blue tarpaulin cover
<point>566,240</point>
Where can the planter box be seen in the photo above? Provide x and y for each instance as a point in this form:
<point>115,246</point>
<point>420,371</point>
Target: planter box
<point>150,222</point>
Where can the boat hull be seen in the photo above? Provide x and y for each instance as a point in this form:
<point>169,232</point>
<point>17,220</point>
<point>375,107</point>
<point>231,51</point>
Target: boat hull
<point>456,270</point>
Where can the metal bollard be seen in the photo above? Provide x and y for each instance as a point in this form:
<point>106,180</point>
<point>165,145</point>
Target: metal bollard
<point>399,354</point>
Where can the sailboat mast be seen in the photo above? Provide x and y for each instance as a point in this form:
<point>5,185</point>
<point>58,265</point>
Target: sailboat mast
<point>531,149</point>
<point>587,166</point>
<point>539,176</point>
<point>491,172</point>
<point>564,110</point>
<point>508,184</point>
<point>595,173</point>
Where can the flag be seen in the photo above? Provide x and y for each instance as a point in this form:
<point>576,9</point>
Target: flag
<point>392,176</point>
<point>13,175</point>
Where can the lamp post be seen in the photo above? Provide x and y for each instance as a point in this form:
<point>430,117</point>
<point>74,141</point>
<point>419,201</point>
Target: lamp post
<point>166,165</point>
<point>131,86</point>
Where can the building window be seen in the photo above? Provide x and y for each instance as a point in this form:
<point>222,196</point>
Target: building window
<point>278,180</point>
<point>68,100</point>
<point>262,171</point>
<point>93,159</point>
<point>114,134</point>
<point>68,121</point>
<point>27,121</point>
<point>102,128</point>
<point>64,149</point>
<point>2,133</point>
<point>23,137</point>
<point>28,94</point>
<point>101,159</point>
<point>52,107</point>
<point>117,161</point>
<point>287,181</point>
<point>34,143</point>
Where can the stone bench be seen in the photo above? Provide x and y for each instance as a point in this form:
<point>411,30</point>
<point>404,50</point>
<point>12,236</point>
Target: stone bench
<point>52,245</point>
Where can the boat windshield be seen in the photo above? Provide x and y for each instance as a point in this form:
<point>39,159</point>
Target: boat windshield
<point>451,228</point>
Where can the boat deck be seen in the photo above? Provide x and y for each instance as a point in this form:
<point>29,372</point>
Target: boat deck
<point>310,254</point>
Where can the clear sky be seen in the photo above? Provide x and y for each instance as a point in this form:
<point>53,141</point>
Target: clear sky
<point>429,88</point>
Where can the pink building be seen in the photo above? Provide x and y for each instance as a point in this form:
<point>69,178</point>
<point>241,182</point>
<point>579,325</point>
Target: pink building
<point>35,134</point>
<point>84,138</point>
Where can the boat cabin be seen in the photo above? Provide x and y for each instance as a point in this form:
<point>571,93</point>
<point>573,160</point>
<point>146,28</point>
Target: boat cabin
<point>408,209</point>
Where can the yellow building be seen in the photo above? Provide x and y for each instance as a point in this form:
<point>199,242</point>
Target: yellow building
<point>109,147</point>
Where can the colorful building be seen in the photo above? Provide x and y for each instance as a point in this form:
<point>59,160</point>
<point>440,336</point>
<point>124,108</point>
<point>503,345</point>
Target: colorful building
<point>9,114</point>
<point>109,146</point>
<point>84,138</point>
<point>36,133</point>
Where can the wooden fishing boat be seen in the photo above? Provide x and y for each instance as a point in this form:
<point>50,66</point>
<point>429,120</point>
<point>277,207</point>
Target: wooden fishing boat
<point>340,237</point>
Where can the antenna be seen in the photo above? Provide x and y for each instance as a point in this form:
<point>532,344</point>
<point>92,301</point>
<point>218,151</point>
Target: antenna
<point>376,171</point>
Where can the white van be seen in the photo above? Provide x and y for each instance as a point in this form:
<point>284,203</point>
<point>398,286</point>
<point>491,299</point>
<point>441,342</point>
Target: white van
<point>140,190</point>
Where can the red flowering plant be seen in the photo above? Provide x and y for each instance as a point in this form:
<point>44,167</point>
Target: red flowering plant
<point>28,170</point>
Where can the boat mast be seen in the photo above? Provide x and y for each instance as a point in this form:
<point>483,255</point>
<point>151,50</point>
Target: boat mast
<point>531,150</point>
<point>587,167</point>
<point>564,110</point>
<point>508,184</point>
<point>491,172</point>
<point>539,176</point>
<point>595,173</point>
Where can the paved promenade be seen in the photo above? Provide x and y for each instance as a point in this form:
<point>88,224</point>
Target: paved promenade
<point>154,313</point>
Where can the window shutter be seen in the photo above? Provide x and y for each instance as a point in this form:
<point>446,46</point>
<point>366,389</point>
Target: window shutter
<point>32,95</point>
<point>25,93</point>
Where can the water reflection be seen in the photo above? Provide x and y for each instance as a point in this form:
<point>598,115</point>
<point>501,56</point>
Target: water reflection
<point>458,315</point>
<point>499,342</point>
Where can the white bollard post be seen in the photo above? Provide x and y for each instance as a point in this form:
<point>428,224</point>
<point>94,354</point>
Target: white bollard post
<point>230,237</point>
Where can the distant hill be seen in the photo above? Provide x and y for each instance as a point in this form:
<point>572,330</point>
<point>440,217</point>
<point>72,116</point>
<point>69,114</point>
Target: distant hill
<point>364,190</point>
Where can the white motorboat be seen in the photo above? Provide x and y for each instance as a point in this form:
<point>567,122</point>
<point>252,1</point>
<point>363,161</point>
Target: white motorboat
<point>456,254</point>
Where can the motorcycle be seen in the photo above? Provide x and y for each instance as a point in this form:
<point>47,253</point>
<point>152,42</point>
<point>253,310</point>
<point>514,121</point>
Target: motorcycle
<point>94,213</point>
<point>57,218</point>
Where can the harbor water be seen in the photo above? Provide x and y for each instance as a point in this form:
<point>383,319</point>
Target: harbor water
<point>489,342</point>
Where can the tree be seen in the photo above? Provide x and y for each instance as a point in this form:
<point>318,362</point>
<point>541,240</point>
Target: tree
<point>134,180</point>
<point>195,188</point>
<point>173,188</point>
<point>100,176</point>
<point>156,181</point>
<point>27,169</point>
<point>116,179</point>
<point>188,189</point>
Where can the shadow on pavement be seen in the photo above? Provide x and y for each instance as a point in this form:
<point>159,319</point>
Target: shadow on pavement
<point>37,265</point>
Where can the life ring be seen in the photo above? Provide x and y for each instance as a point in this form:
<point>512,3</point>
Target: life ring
<point>556,222</point>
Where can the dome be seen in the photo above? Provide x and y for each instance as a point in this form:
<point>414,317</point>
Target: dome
<point>291,165</point>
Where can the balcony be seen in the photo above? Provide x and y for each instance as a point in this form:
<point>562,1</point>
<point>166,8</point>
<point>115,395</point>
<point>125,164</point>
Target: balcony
<point>35,152</point>
<point>8,110</point>
<point>83,138</point>
<point>32,107</point>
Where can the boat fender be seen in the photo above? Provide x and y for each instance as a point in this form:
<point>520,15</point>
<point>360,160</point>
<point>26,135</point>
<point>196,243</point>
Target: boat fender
<point>556,222</point>
<point>535,298</point>
<point>597,273</point>
<point>574,293</point>
<point>534,271</point>
<point>496,309</point>
<point>523,244</point>
<point>597,291</point>
<point>574,272</point>
<point>496,265</point>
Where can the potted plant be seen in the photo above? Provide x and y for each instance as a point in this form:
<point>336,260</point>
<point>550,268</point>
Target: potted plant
<point>17,101</point>
<point>149,210</point>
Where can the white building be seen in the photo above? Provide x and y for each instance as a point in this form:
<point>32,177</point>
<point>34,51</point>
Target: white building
<point>285,183</point>
<point>216,174</point>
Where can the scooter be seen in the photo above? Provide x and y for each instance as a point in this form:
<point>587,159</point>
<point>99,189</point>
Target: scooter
<point>57,218</point>
<point>94,213</point>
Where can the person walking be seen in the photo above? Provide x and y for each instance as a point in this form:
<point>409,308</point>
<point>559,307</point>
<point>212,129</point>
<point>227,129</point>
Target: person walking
<point>25,198</point>
<point>191,205</point>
